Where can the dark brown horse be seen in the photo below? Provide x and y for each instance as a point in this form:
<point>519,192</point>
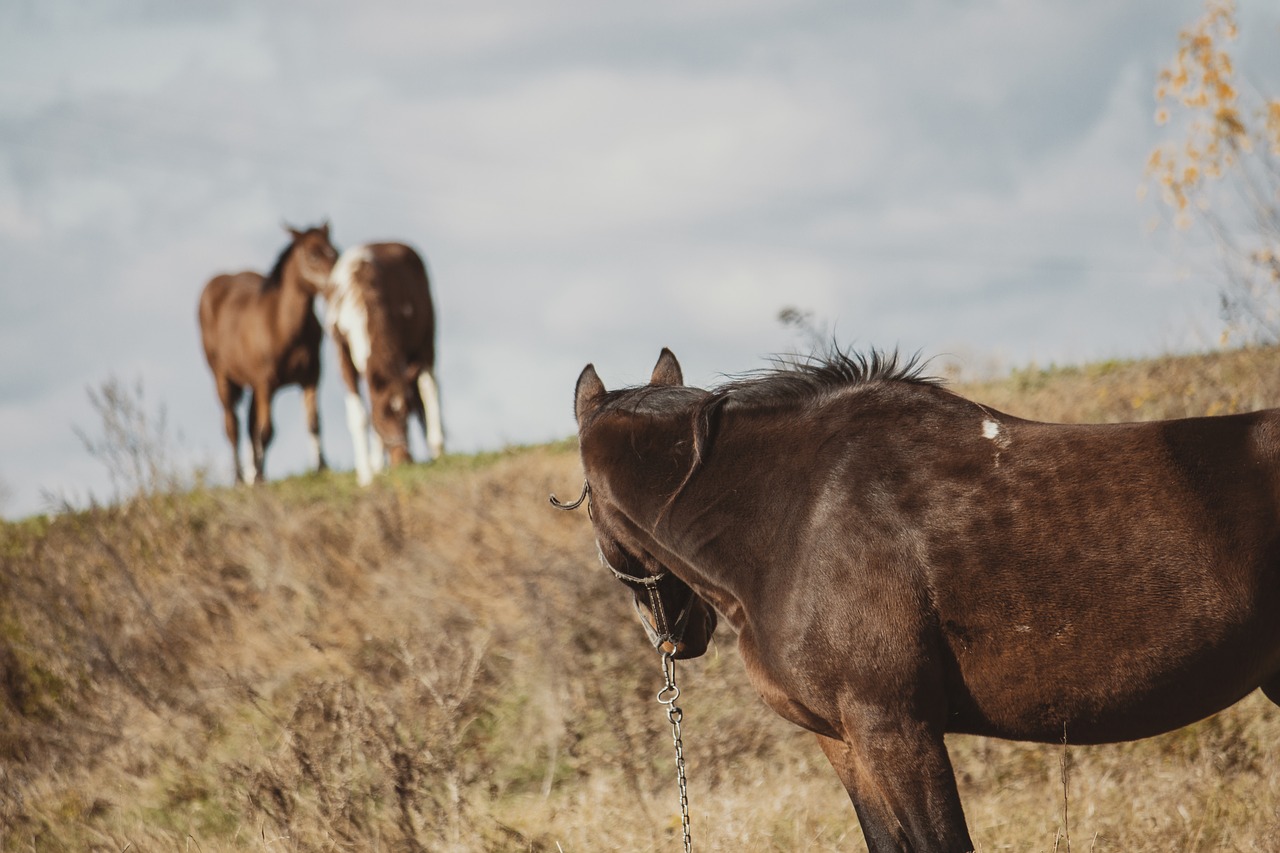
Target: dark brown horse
<point>900,562</point>
<point>261,333</point>
<point>382,320</point>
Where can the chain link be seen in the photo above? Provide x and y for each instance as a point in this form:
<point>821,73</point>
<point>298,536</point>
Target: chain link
<point>667,696</point>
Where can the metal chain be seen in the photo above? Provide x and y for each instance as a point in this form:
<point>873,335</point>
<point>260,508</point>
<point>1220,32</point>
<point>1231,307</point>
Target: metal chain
<point>668,696</point>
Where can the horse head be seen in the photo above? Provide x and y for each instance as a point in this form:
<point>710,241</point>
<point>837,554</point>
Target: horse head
<point>677,620</point>
<point>392,396</point>
<point>312,256</point>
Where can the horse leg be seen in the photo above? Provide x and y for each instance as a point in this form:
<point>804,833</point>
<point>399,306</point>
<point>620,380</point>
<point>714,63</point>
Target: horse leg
<point>251,470</point>
<point>900,780</point>
<point>358,424</point>
<point>263,430</point>
<point>313,426</point>
<point>377,452</point>
<point>357,414</point>
<point>229,395</point>
<point>429,391</point>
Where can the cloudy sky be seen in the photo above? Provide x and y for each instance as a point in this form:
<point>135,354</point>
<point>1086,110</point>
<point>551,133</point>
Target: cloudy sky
<point>588,182</point>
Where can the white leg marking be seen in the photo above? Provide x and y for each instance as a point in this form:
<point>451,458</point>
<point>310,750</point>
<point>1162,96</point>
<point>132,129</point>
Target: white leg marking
<point>317,456</point>
<point>430,392</point>
<point>377,453</point>
<point>358,423</point>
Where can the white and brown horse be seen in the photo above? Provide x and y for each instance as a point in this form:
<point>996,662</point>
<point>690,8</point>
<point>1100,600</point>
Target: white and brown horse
<point>261,333</point>
<point>383,323</point>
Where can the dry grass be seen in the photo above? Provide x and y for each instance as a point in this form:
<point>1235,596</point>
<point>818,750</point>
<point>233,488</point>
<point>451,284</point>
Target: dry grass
<point>435,664</point>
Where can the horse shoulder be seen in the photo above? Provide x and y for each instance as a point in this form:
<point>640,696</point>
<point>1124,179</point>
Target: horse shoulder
<point>782,698</point>
<point>347,315</point>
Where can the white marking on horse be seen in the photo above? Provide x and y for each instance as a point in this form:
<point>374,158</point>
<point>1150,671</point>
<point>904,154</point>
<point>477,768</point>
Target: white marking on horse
<point>996,433</point>
<point>430,393</point>
<point>993,432</point>
<point>346,308</point>
<point>358,423</point>
<point>377,452</point>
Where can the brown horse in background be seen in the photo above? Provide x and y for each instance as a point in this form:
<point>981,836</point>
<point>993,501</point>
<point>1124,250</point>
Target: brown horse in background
<point>900,562</point>
<point>261,333</point>
<point>384,325</point>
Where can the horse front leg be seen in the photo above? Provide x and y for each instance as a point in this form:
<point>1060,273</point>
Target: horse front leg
<point>377,451</point>
<point>357,414</point>
<point>262,430</point>
<point>900,780</point>
<point>429,391</point>
<point>229,395</point>
<point>311,407</point>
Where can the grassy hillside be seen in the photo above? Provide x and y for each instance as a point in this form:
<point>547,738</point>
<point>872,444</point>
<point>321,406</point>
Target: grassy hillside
<point>438,664</point>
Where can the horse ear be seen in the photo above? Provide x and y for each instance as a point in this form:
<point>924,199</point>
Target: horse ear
<point>587,394</point>
<point>324,227</point>
<point>667,370</point>
<point>293,232</point>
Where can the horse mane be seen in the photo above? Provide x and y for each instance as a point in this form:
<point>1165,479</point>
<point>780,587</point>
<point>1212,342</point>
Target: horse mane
<point>792,379</point>
<point>276,276</point>
<point>798,378</point>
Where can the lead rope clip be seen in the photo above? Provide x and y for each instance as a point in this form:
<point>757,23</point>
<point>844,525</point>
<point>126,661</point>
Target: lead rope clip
<point>667,697</point>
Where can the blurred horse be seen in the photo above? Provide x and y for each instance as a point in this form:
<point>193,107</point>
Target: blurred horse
<point>384,325</point>
<point>900,562</point>
<point>261,333</point>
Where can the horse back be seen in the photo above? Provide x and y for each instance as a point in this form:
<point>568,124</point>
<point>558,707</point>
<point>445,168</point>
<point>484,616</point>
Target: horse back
<point>406,293</point>
<point>390,281</point>
<point>1117,579</point>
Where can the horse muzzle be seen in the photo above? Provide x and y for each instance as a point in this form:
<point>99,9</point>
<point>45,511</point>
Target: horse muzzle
<point>689,633</point>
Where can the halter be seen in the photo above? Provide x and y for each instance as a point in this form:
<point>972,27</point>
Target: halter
<point>665,631</point>
<point>586,493</point>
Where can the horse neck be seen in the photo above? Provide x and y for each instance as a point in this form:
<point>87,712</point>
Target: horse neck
<point>658,458</point>
<point>721,511</point>
<point>659,490</point>
<point>294,304</point>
